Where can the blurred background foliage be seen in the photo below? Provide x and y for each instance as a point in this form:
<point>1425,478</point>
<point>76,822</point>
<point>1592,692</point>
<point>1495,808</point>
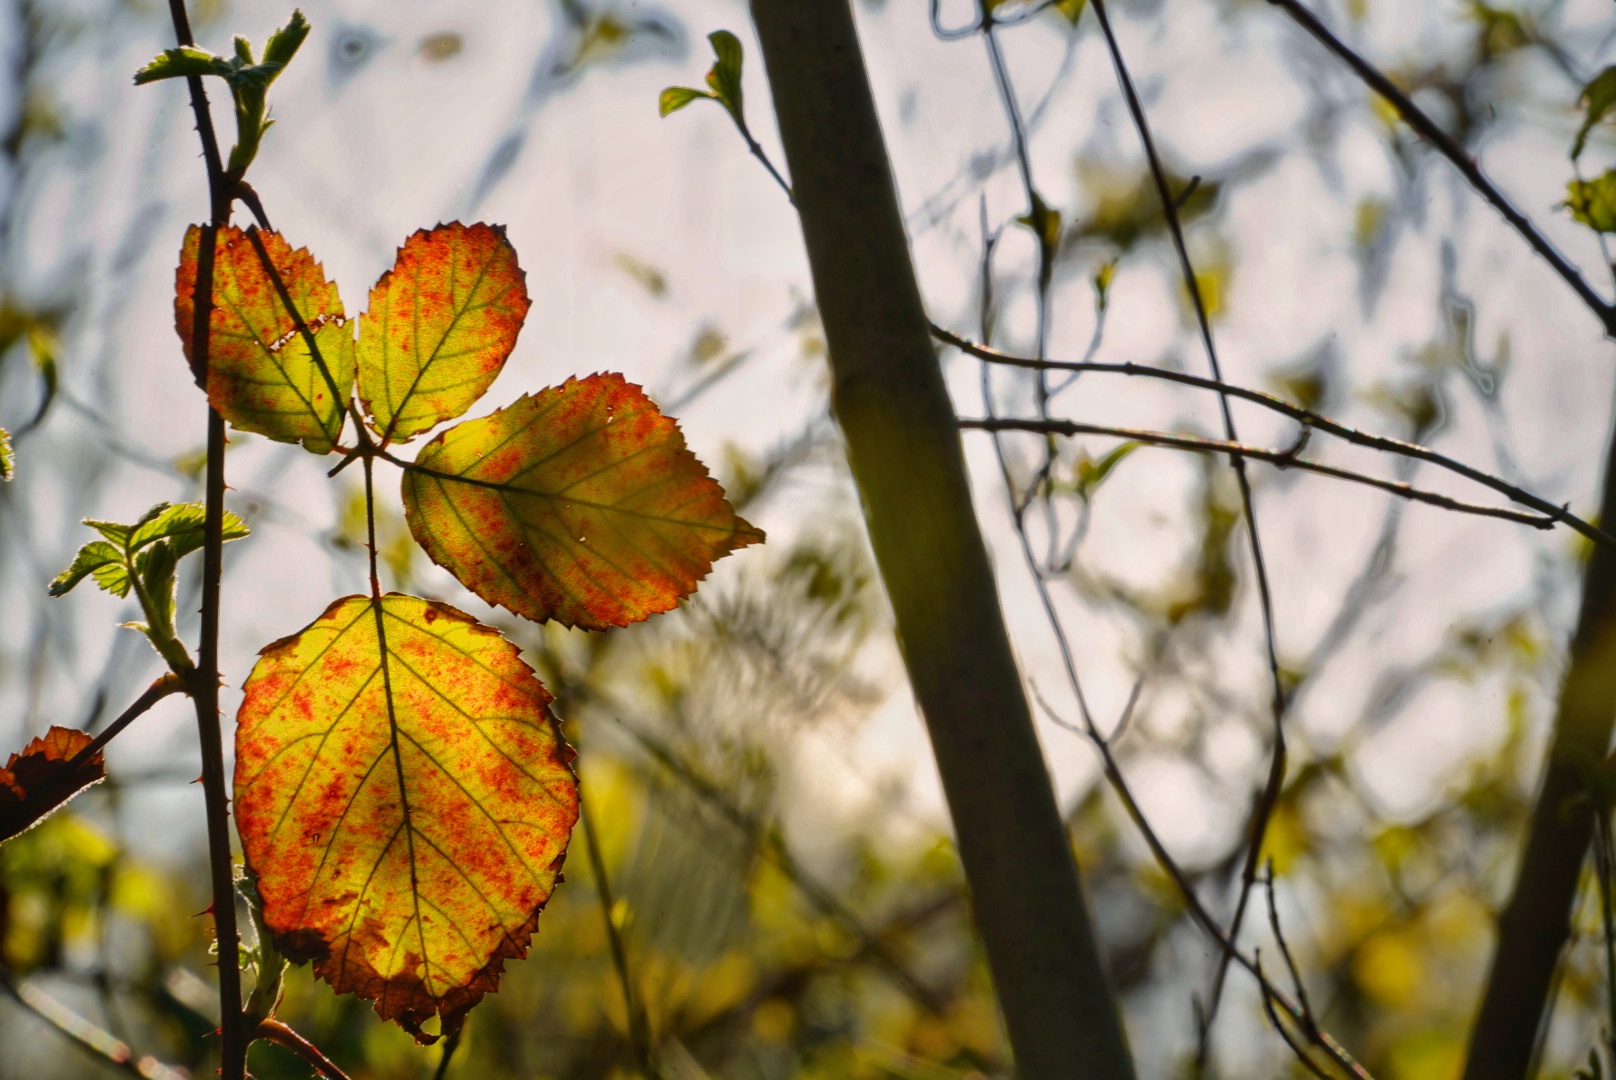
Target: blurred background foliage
<point>778,865</point>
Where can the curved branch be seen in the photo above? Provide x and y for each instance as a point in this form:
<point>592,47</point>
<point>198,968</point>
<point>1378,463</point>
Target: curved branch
<point>1449,148</point>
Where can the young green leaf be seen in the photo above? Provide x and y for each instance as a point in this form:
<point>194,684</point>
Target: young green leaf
<point>441,324</point>
<point>1593,202</point>
<point>101,559</point>
<point>1597,99</point>
<point>43,776</point>
<point>284,43</point>
<point>724,79</point>
<point>8,458</point>
<point>406,799</point>
<point>725,75</point>
<point>261,375</point>
<point>181,62</point>
<point>675,98</point>
<point>580,504</point>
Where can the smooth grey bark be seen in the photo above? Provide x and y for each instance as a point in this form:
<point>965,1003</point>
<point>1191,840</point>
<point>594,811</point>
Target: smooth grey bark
<point>904,448</point>
<point>1536,923</point>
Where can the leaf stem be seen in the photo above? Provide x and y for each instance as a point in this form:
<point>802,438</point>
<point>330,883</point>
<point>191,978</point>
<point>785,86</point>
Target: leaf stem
<point>157,691</point>
<point>278,1033</point>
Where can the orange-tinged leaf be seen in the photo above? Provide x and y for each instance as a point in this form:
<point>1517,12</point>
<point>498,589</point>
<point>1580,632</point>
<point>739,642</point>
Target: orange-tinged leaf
<point>406,809</point>
<point>441,323</point>
<point>43,777</point>
<point>579,504</point>
<point>261,375</point>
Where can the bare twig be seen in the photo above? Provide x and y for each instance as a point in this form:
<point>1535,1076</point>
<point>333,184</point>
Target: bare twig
<point>1276,769</point>
<point>1317,1036</point>
<point>1283,459</point>
<point>1306,417</point>
<point>1456,154</point>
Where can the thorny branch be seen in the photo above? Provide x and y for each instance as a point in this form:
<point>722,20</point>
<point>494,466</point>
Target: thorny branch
<point>206,678</point>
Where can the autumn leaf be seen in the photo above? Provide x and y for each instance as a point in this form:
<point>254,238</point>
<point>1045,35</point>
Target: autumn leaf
<point>261,375</point>
<point>43,777</point>
<point>441,323</point>
<point>406,809</point>
<point>579,504</point>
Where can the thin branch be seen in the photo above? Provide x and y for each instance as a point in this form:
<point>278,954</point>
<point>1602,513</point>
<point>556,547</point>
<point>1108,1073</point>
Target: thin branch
<point>1307,417</point>
<point>1297,1048</point>
<point>1269,798</point>
<point>1284,946</point>
<point>92,1040</point>
<point>1449,148</point>
<point>278,1033</point>
<point>1282,459</point>
<point>1320,1038</point>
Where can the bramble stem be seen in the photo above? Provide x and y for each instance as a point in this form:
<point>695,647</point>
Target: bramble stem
<point>205,680</point>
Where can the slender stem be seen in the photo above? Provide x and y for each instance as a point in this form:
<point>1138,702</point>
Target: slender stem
<point>639,1034</point>
<point>450,1045</point>
<point>1269,799</point>
<point>205,688</point>
<point>1456,154</point>
<point>278,1033</point>
<point>1283,459</point>
<point>1306,417</point>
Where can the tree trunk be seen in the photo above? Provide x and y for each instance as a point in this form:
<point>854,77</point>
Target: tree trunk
<point>904,449</point>
<point>1534,927</point>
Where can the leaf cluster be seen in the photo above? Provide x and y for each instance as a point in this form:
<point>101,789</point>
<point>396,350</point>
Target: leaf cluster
<point>248,77</point>
<point>143,558</point>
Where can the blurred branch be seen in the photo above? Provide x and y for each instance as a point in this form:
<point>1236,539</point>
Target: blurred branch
<point>1449,148</point>
<point>1307,417</point>
<point>99,1044</point>
<point>639,1031</point>
<point>768,841</point>
<point>1282,459</point>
